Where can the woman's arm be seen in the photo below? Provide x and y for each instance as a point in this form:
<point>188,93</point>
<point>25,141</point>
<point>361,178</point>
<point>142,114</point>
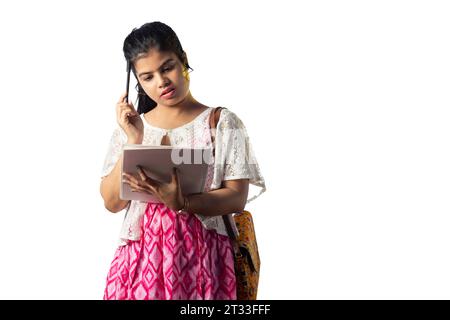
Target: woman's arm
<point>110,186</point>
<point>229,199</point>
<point>110,189</point>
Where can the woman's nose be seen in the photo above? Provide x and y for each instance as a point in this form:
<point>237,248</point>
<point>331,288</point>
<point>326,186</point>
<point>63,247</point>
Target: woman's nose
<point>162,81</point>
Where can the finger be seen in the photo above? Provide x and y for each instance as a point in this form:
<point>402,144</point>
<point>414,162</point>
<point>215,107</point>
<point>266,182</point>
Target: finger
<point>177,179</point>
<point>133,185</point>
<point>138,189</point>
<point>126,115</point>
<point>126,176</point>
<point>174,175</point>
<point>122,97</point>
<point>127,108</point>
<point>127,111</point>
<point>126,105</point>
<point>130,178</point>
<point>142,188</point>
<point>152,182</point>
<point>141,173</point>
<point>123,111</point>
<point>133,109</point>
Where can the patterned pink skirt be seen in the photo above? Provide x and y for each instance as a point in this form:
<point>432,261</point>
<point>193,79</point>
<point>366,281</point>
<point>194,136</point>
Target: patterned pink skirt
<point>176,258</point>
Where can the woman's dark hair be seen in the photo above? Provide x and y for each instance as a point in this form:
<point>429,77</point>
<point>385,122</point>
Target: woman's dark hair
<point>152,35</point>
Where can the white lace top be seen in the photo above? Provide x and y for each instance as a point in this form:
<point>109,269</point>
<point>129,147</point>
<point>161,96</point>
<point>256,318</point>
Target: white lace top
<point>234,159</point>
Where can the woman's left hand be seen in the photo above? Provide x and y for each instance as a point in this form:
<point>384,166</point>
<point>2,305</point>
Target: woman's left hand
<point>168,193</point>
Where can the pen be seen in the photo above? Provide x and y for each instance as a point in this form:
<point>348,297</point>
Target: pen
<point>128,79</point>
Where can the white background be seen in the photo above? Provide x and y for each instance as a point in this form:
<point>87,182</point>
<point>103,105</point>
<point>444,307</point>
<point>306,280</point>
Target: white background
<point>346,104</point>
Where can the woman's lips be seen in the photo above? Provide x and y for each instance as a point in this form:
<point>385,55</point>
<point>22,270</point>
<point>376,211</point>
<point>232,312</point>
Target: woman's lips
<point>168,94</point>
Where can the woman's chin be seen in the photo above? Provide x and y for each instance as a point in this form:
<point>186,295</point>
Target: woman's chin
<point>172,102</point>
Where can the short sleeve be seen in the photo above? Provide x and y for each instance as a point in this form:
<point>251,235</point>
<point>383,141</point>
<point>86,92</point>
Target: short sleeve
<point>235,153</point>
<point>114,150</point>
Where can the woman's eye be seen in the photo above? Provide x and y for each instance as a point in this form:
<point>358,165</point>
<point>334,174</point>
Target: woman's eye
<point>163,70</point>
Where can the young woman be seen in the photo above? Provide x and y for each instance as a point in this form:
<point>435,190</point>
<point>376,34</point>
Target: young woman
<point>178,248</point>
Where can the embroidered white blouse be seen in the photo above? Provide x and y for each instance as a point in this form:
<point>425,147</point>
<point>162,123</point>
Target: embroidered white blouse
<point>234,159</point>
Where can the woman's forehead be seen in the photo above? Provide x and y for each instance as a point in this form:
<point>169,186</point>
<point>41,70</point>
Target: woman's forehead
<point>153,59</point>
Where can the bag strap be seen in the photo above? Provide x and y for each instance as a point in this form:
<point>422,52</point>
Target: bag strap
<point>214,117</point>
<point>213,120</point>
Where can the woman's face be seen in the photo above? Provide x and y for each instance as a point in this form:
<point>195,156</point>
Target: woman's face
<point>158,71</point>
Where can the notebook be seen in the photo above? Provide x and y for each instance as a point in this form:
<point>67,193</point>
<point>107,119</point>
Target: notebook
<point>158,161</point>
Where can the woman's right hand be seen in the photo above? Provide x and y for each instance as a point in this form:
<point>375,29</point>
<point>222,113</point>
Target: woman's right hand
<point>129,120</point>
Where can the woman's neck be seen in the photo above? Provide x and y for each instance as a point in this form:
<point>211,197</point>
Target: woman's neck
<point>173,116</point>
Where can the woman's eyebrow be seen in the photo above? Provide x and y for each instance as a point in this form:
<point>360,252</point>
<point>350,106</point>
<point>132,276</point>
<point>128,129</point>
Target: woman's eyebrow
<point>168,60</point>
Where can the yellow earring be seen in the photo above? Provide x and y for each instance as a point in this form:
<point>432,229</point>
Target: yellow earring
<point>186,74</point>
